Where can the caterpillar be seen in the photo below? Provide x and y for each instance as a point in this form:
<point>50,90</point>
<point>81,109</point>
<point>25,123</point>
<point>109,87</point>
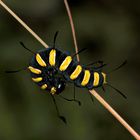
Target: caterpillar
<point>51,69</point>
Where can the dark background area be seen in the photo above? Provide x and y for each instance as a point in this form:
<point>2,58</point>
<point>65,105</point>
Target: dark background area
<point>110,31</point>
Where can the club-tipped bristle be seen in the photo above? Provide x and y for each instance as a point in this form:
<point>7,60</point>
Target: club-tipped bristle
<point>13,71</point>
<point>7,71</point>
<point>124,63</point>
<point>80,51</point>
<point>55,36</point>
<point>63,119</point>
<point>22,44</point>
<point>79,103</point>
<point>123,95</point>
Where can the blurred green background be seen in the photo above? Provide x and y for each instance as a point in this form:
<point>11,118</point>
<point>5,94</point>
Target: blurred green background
<point>110,31</point>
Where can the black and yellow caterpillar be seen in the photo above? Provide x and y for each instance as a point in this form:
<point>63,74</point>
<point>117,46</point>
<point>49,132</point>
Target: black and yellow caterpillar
<point>51,69</point>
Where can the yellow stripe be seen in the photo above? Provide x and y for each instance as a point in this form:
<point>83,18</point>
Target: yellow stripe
<point>96,79</point>
<point>34,70</point>
<point>37,79</point>
<point>44,86</point>
<point>104,76</point>
<point>52,57</point>
<point>65,63</point>
<point>40,61</point>
<point>76,72</point>
<point>53,90</point>
<point>86,78</point>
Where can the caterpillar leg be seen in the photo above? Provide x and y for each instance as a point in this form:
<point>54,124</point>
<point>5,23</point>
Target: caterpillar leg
<point>57,110</point>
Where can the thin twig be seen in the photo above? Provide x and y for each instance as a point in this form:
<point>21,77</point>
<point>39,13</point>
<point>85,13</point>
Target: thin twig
<point>23,24</point>
<point>115,114</point>
<point>72,28</point>
<point>94,93</point>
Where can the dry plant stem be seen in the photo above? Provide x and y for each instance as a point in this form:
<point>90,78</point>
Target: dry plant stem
<point>115,114</point>
<point>72,28</point>
<point>24,24</point>
<point>94,93</point>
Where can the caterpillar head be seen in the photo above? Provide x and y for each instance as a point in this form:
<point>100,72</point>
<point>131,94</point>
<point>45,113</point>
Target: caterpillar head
<point>58,86</point>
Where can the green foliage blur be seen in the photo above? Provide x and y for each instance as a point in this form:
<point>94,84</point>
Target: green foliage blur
<point>110,30</point>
